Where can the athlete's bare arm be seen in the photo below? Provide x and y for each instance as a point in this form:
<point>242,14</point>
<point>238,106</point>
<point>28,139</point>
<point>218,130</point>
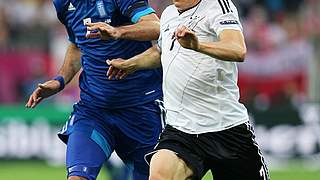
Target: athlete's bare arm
<point>146,29</point>
<point>68,70</point>
<point>120,68</point>
<point>71,64</point>
<point>230,47</point>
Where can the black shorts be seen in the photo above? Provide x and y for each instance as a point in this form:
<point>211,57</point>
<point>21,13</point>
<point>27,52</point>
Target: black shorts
<point>231,154</point>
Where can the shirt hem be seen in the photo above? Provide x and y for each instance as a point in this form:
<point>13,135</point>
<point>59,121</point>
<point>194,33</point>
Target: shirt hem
<point>209,130</point>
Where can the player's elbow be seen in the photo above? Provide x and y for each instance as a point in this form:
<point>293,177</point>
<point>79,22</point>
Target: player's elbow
<point>152,31</point>
<point>151,24</point>
<point>241,55</point>
<point>156,30</point>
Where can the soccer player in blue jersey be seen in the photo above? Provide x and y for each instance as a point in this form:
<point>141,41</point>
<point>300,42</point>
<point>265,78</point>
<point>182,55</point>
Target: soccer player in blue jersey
<point>111,115</point>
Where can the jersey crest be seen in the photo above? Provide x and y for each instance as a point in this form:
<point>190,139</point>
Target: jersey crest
<point>71,7</point>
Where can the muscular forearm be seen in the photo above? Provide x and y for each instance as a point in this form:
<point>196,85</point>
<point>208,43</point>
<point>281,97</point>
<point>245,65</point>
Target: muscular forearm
<point>144,31</point>
<point>149,59</point>
<point>148,28</point>
<point>230,47</point>
<point>71,63</point>
<point>226,51</point>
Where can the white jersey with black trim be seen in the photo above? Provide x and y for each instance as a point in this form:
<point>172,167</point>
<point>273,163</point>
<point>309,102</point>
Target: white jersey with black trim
<point>200,92</point>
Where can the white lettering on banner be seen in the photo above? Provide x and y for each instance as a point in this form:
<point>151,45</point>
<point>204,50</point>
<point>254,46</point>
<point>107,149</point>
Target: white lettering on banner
<point>21,141</point>
<point>289,141</point>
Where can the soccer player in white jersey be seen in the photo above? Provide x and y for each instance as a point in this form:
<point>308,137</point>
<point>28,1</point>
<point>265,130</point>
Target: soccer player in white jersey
<point>207,128</point>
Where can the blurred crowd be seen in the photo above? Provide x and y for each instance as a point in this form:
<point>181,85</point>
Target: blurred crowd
<point>31,24</point>
<point>32,46</point>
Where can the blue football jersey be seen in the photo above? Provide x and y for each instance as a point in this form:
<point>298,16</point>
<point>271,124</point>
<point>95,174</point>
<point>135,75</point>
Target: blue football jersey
<point>96,90</point>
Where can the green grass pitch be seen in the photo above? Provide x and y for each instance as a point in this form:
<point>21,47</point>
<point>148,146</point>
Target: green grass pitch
<point>36,170</point>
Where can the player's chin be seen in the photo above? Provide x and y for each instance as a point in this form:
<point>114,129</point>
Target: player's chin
<point>182,5</point>
<point>179,5</point>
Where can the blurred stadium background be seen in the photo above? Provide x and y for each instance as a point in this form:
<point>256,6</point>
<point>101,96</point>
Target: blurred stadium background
<point>280,85</point>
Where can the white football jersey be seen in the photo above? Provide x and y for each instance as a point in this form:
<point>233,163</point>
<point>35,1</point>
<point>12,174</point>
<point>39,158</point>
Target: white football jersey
<point>200,92</point>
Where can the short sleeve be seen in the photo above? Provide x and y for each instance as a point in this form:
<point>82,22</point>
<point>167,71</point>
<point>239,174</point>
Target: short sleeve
<point>134,9</point>
<point>227,18</point>
<point>71,36</point>
<point>60,7</point>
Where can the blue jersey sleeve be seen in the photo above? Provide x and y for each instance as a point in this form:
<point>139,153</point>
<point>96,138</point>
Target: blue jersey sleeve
<point>61,7</point>
<point>134,9</point>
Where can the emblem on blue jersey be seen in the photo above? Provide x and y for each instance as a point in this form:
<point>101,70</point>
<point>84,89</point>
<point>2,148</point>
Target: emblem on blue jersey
<point>71,7</point>
<point>101,9</point>
<point>229,22</point>
<point>85,22</point>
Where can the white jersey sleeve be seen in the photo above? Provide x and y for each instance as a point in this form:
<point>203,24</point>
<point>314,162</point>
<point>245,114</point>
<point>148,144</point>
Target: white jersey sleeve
<point>225,17</point>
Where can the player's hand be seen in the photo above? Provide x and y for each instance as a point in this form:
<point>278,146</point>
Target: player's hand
<point>43,91</point>
<point>187,38</point>
<point>119,68</point>
<point>102,30</point>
